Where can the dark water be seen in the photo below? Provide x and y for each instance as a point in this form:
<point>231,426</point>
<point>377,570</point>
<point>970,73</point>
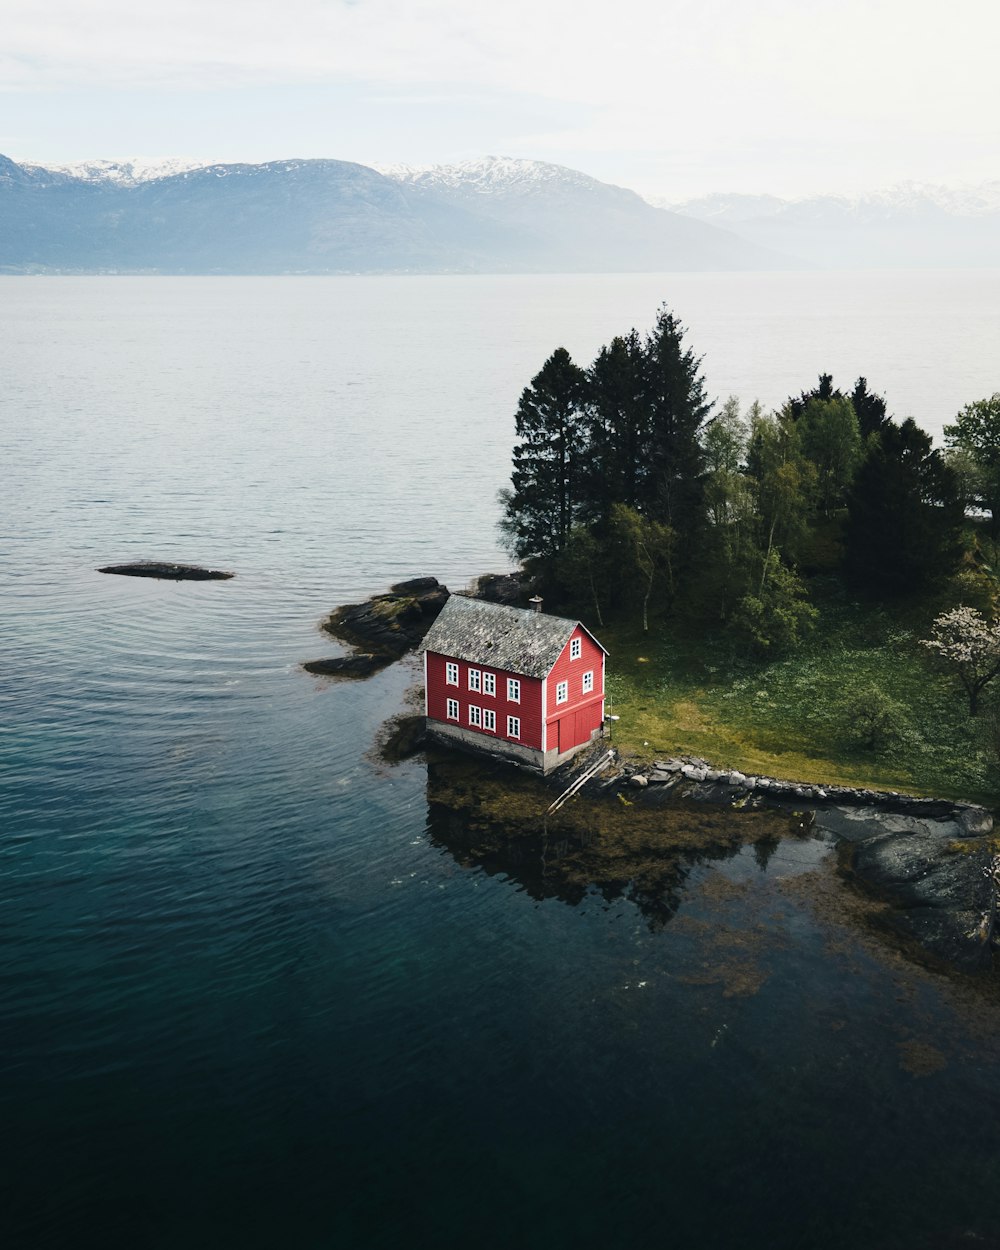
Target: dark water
<point>254,991</point>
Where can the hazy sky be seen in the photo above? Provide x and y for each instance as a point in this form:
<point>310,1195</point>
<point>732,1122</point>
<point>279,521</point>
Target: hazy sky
<point>670,97</point>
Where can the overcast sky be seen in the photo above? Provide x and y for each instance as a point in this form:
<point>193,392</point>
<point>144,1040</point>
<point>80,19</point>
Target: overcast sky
<point>673,98</point>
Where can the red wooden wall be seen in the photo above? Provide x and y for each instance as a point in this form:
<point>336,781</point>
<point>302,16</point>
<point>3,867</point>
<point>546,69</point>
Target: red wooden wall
<point>571,723</point>
<point>529,709</point>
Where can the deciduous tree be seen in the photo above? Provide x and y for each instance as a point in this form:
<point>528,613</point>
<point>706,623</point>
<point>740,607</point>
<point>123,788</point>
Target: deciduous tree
<point>829,437</point>
<point>969,645</point>
<point>976,431</point>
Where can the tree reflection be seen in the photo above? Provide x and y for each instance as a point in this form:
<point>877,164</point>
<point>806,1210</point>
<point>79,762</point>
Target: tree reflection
<point>492,818</point>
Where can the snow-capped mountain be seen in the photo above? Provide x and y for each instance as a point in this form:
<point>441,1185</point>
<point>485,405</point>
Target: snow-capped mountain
<point>912,224</point>
<point>495,214</point>
<point>123,173</point>
<point>492,175</point>
<point>327,216</point>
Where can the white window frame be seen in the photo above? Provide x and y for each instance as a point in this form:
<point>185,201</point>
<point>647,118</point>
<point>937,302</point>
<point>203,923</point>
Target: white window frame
<point>562,691</point>
<point>489,720</point>
<point>588,682</point>
<point>513,726</point>
<point>513,690</point>
<point>452,709</point>
<point>575,648</point>
<point>475,680</point>
<point>490,684</point>
<point>451,673</point>
<point>476,717</point>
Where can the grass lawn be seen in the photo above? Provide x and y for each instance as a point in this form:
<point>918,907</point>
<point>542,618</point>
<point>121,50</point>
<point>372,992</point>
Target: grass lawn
<point>796,716</point>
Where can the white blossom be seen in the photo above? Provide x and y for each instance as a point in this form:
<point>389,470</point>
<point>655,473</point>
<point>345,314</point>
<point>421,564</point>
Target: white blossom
<point>970,645</point>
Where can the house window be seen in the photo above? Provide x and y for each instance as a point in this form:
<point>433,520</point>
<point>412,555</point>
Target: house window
<point>451,673</point>
<point>588,682</point>
<point>453,709</point>
<point>513,690</point>
<point>489,720</point>
<point>489,683</point>
<point>513,726</point>
<point>474,676</point>
<point>476,717</point>
<point>562,692</point>
<point>575,649</point>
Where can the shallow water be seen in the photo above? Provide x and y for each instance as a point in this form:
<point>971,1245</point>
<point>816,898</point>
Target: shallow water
<point>253,991</point>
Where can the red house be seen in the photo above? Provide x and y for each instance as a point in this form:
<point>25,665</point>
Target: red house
<point>519,684</point>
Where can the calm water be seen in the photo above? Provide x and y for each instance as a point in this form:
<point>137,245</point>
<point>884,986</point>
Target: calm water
<point>251,994</point>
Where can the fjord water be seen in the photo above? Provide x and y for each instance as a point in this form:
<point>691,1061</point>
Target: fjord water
<point>250,994</point>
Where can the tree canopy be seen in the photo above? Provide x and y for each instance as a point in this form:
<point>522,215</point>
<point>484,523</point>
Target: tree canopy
<point>631,492</point>
<point>976,433</point>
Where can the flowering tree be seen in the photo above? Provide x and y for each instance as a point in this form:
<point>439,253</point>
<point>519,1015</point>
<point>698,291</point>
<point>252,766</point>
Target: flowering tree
<point>970,645</point>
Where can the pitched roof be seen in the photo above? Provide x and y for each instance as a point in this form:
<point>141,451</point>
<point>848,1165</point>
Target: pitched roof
<point>496,636</point>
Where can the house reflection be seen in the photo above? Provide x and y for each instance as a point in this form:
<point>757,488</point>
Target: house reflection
<point>492,818</point>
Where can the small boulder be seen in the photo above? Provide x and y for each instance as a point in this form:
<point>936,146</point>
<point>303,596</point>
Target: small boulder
<point>415,586</point>
<point>976,820</point>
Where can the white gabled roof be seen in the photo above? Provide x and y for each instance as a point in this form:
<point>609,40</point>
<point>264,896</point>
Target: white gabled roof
<point>496,636</point>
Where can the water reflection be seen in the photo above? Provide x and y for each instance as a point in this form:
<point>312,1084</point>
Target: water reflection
<point>493,818</point>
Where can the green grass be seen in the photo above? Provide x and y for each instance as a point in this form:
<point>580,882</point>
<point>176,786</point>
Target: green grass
<point>794,717</point>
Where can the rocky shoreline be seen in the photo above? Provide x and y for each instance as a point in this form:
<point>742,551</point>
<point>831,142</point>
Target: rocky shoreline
<point>385,627</point>
<point>930,860</point>
<point>734,785</point>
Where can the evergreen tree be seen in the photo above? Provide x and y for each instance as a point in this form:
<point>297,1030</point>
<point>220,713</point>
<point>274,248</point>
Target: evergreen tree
<point>868,408</point>
<point>541,506</point>
<point>905,514</point>
<point>618,427</point>
<point>674,491</point>
<point>823,391</point>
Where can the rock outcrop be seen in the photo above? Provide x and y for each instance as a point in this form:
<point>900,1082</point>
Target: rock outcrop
<point>382,629</point>
<point>171,572</point>
<point>925,858</point>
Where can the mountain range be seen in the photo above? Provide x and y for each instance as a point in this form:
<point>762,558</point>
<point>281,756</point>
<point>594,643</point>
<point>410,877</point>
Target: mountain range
<point>328,216</point>
<point>494,215</point>
<point>909,225</point>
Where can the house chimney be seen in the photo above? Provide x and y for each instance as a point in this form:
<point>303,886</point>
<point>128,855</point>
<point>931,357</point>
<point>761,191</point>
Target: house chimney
<point>536,603</point>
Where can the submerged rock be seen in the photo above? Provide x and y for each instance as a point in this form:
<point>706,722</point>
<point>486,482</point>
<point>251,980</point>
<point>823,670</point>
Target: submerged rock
<point>170,572</point>
<point>935,884</point>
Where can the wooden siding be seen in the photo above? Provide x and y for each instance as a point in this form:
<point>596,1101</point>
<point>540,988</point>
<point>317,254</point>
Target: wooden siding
<point>572,723</point>
<point>438,692</point>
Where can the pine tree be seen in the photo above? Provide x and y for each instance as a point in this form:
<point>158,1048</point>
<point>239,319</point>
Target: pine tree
<point>618,427</point>
<point>541,506</point>
<point>673,492</point>
<point>904,514</point>
<point>868,408</point>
